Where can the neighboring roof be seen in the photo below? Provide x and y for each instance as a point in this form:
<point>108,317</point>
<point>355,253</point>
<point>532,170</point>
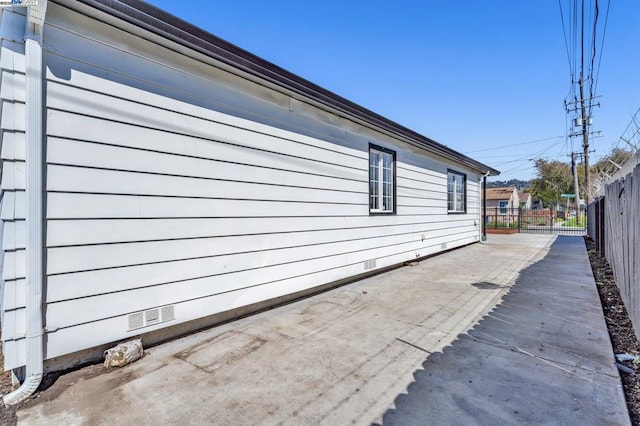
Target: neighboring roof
<point>522,195</point>
<point>500,193</point>
<point>165,25</point>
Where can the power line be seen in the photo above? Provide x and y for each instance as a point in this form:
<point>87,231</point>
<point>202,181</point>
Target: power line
<point>563,148</point>
<point>574,49</point>
<point>604,31</point>
<point>527,157</point>
<point>527,165</point>
<point>564,33</point>
<point>515,144</point>
<point>502,156</point>
<point>593,55</point>
<point>525,160</point>
<point>584,42</point>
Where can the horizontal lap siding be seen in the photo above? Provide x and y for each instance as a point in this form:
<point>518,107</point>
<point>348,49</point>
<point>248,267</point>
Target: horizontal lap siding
<point>66,179</point>
<point>422,193</point>
<point>156,195</point>
<point>106,231</point>
<point>187,167</point>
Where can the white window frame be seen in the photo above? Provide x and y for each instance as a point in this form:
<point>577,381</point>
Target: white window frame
<point>382,180</point>
<point>503,206</point>
<point>454,190</point>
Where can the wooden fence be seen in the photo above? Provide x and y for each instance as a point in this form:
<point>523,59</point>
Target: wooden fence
<point>614,224</point>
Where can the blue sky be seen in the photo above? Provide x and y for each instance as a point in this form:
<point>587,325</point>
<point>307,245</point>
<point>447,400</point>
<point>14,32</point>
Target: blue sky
<point>473,75</point>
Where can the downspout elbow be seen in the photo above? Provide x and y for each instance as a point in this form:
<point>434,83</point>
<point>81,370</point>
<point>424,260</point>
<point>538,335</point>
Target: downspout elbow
<point>26,389</point>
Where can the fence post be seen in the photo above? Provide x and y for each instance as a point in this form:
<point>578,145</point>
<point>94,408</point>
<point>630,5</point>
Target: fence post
<point>519,219</point>
<point>601,229</point>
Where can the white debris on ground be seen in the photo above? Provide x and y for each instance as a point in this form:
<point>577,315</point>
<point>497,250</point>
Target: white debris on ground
<point>123,354</point>
<point>628,357</point>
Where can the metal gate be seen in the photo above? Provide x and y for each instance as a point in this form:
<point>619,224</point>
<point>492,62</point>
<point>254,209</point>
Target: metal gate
<point>540,221</point>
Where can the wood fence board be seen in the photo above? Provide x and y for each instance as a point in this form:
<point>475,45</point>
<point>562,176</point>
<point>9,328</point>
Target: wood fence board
<point>614,223</point>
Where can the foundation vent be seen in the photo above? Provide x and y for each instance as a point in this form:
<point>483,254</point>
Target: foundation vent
<point>151,317</point>
<point>370,264</point>
<point>167,313</point>
<point>136,321</point>
<point>443,246</point>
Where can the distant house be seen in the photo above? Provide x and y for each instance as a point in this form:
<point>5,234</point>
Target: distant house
<point>536,203</point>
<point>502,200</point>
<point>502,207</point>
<point>157,179</point>
<point>525,199</point>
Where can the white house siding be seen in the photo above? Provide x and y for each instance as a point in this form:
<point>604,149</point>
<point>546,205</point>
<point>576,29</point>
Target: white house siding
<point>171,182</point>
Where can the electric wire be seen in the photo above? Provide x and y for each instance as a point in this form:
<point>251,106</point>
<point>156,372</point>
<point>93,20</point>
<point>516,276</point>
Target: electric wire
<point>500,156</point>
<point>604,31</point>
<point>527,164</point>
<point>514,144</point>
<point>564,33</point>
<point>575,45</point>
<point>527,157</point>
<point>593,56</point>
<point>525,160</point>
<point>584,34</point>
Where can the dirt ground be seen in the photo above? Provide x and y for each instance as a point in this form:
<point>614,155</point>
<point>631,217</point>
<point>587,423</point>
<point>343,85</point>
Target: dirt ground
<point>7,415</point>
<point>52,384</point>
<point>621,331</point>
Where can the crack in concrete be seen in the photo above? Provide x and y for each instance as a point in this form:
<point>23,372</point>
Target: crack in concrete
<point>552,362</point>
<point>414,346</point>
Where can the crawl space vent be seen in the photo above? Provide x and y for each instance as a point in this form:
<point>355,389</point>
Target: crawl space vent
<point>151,317</point>
<point>370,264</point>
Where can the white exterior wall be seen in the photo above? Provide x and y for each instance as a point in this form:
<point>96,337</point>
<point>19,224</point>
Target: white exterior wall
<point>174,183</point>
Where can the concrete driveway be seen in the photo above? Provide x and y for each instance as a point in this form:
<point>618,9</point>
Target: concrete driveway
<point>371,352</point>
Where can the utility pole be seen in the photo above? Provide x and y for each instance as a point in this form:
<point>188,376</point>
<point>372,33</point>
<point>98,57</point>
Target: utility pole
<point>574,169</point>
<point>585,144</point>
<point>585,122</point>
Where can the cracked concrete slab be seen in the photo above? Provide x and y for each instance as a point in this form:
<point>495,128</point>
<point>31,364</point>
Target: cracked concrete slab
<point>403,347</point>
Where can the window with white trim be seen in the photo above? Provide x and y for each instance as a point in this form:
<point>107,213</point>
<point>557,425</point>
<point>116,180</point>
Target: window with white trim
<point>382,177</point>
<point>503,206</point>
<point>456,192</point>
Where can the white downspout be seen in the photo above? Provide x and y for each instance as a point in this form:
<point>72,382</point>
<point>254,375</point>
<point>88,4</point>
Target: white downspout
<point>34,212</point>
<point>483,214</point>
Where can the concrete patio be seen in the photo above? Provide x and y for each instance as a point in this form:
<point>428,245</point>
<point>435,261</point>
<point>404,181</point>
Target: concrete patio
<point>505,332</point>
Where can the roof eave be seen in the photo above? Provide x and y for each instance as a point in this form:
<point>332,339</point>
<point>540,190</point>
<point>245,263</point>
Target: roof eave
<point>165,25</point>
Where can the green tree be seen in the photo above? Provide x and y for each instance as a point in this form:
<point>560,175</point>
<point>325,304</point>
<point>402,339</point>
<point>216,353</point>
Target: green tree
<point>553,179</point>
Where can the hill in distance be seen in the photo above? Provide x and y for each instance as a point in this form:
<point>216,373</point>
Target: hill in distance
<point>520,184</point>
